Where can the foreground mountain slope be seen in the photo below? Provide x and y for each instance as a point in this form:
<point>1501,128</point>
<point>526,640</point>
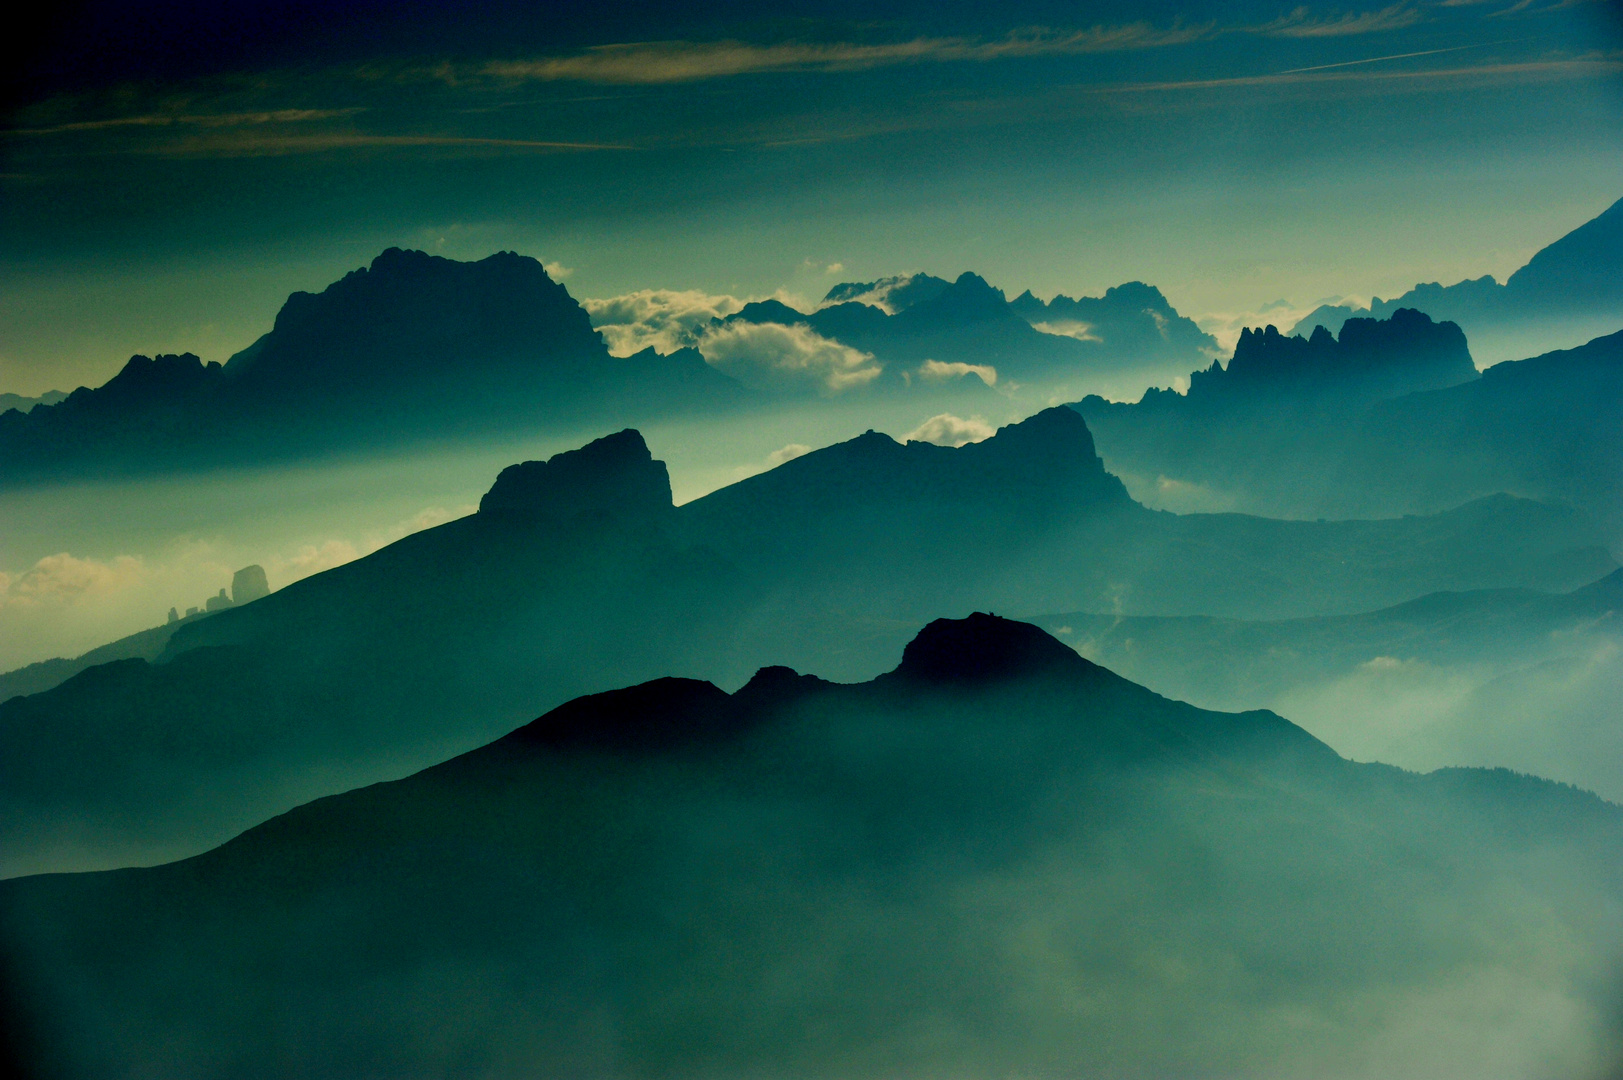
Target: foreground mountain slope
<point>998,856</point>
<point>578,574</point>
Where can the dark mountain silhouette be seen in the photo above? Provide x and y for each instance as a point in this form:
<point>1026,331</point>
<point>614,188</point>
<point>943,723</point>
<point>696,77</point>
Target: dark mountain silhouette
<point>904,322</point>
<point>1130,319</point>
<point>412,347</point>
<point>893,294</point>
<point>998,853</point>
<point>1549,428</point>
<point>1369,361</point>
<point>1580,273</point>
<point>578,574</point>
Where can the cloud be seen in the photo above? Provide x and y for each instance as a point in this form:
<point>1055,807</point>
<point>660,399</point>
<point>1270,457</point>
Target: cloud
<point>62,579</point>
<point>204,120</point>
<point>691,61</point>
<point>936,370</point>
<point>949,430</point>
<point>1300,24</point>
<point>256,144</point>
<point>663,318</point>
<point>557,270</point>
<point>1071,328</point>
<point>787,453</point>
<point>771,356</point>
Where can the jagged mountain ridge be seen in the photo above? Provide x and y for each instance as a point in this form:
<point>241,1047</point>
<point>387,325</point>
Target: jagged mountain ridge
<point>812,877</point>
<point>1546,427</point>
<point>444,639</point>
<point>1131,330</point>
<point>411,347</point>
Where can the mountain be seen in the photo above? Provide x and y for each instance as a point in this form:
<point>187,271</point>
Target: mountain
<point>1579,276</point>
<point>997,856</point>
<point>1132,319</point>
<point>1550,427</point>
<point>1130,336</point>
<point>1508,677</point>
<point>1277,399</point>
<point>412,347</point>
<point>578,574</point>
<point>891,294</point>
<point>23,404</point>
<point>247,585</point>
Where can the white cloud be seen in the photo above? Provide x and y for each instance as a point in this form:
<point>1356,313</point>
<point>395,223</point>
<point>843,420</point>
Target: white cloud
<point>557,270</point>
<point>949,430</point>
<point>771,356</point>
<point>833,268</point>
<point>1071,328</point>
<point>787,453</point>
<point>935,369</point>
<point>64,579</point>
<point>666,319</point>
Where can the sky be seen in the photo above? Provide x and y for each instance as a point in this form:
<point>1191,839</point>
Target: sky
<point>172,171</point>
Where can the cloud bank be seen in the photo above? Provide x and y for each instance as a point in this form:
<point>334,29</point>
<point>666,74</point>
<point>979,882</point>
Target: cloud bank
<point>936,370</point>
<point>949,430</point>
<point>664,319</point>
<point>774,357</point>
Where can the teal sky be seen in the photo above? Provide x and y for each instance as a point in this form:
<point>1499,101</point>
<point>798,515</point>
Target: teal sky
<point>171,173</point>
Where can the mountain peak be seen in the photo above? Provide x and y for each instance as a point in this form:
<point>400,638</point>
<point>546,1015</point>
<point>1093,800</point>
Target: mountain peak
<point>985,648</point>
<point>615,476</point>
<point>1372,358</point>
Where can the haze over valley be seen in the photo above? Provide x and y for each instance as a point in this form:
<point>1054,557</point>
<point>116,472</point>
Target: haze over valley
<point>631,540</point>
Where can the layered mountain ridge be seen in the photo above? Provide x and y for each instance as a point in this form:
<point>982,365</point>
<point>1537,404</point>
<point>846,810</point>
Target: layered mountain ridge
<point>929,868</point>
<point>578,574</point>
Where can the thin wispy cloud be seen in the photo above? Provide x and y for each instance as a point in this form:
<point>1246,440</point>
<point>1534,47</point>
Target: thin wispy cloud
<point>246,145</point>
<point>655,62</point>
<point>202,120</point>
<point>1302,24</point>
<point>1485,73</point>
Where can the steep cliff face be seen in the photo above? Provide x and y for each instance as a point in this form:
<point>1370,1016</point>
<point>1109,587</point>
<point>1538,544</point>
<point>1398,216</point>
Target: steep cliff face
<point>1372,359</point>
<point>410,316</point>
<point>614,477</point>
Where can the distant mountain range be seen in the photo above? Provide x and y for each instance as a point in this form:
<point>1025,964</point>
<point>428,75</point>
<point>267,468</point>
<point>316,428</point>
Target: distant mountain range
<point>1581,273</point>
<point>412,347</point>
<point>1130,334</point>
<point>416,347</point>
<point>1364,443</point>
<point>578,574</point>
<point>996,855</point>
<point>23,404</point>
<point>1509,677</point>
